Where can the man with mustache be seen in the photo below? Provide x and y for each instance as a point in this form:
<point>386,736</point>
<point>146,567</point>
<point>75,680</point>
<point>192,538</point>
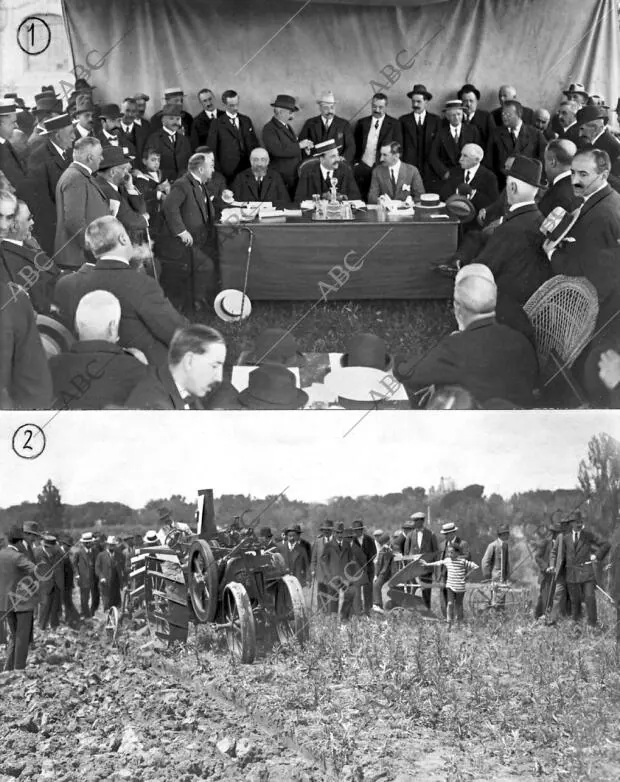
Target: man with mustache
<point>371,134</point>
<point>259,183</point>
<point>328,126</point>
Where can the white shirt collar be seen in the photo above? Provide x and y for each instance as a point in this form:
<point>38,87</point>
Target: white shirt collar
<point>60,151</point>
<point>18,242</point>
<point>84,166</point>
<point>138,121</point>
<point>395,168</point>
<point>563,175</point>
<point>455,129</point>
<point>232,116</point>
<point>374,120</point>
<point>171,133</point>
<point>211,114</point>
<point>82,131</point>
<point>523,203</point>
<point>421,117</point>
<point>325,173</point>
<point>112,257</point>
<point>472,171</point>
<point>191,173</point>
<point>574,122</point>
<point>126,128</point>
<point>598,190</point>
<point>2,140</point>
<point>517,130</point>
<point>112,185</point>
<point>596,138</point>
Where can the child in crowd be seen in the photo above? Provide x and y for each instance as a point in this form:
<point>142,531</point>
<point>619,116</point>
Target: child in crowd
<point>458,567</point>
<point>149,182</point>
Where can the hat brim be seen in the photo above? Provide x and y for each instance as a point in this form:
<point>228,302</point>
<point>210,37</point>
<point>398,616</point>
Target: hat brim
<point>509,173</point>
<point>226,315</point>
<point>280,106</point>
<point>249,401</point>
<point>575,92</point>
<point>344,362</point>
<point>449,531</point>
<point>425,95</point>
<point>55,337</point>
<point>461,208</point>
<point>357,384</point>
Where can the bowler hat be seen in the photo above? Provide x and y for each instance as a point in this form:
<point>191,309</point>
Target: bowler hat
<point>272,387</point>
<point>591,113</point>
<point>294,528</point>
<point>172,110</point>
<point>32,528</point>
<point>468,88</point>
<point>420,89</point>
<point>110,111</point>
<point>285,102</point>
<point>112,156</point>
<point>264,532</point>
<point>461,208</point>
<point>526,170</point>
<point>448,528</point>
<point>503,529</point>
<point>56,123</point>
<point>358,524</point>
<point>324,146</point>
<point>276,346</point>
<point>366,350</point>
<point>56,339</point>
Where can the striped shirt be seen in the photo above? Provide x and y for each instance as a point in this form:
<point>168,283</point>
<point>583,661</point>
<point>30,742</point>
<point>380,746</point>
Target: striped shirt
<point>458,569</point>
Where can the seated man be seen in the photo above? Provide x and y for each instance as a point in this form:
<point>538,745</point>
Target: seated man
<point>491,361</point>
<point>259,183</point>
<point>148,320</point>
<point>194,367</point>
<point>393,178</point>
<point>472,179</point>
<point>96,371</point>
<point>124,200</point>
<point>317,176</point>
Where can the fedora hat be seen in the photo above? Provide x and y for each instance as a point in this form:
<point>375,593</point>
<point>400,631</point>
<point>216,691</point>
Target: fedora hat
<point>461,208</point>
<point>285,102</point>
<point>171,110</point>
<point>526,170</point>
<point>113,156</point>
<point>46,89</point>
<point>468,88</point>
<point>366,350</point>
<point>358,384</point>
<point>448,528</point>
<point>358,524</point>
<point>57,122</point>
<point>110,111</point>
<point>87,537</point>
<point>151,537</point>
<point>327,524</point>
<point>326,97</point>
<point>164,513</point>
<point>293,528</point>
<point>339,527</point>
<point>575,87</point>
<point>277,346</point>
<point>83,102</point>
<point>55,337</point>
<point>324,146</point>
<point>32,528</point>
<point>82,84</point>
<point>420,89</point>
<point>591,113</point>
<point>47,103</point>
<point>172,92</point>
<point>8,107</point>
<point>272,387</point>
<point>503,529</point>
<point>231,305</point>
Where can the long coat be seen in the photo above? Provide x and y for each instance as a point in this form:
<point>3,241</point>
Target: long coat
<point>317,565</point>
<point>445,151</point>
<point>15,566</point>
<point>108,566</point>
<point>575,561</point>
<point>232,147</point>
<point>245,188</point>
<point>339,130</point>
<point>50,569</point>
<point>365,554</point>
<point>340,563</point>
<point>417,154</point>
<point>83,565</point>
<point>284,153</point>
<point>45,167</point>
<point>174,156</point>
<point>79,201</point>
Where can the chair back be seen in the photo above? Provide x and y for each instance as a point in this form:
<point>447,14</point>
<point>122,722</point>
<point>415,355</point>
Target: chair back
<point>563,312</point>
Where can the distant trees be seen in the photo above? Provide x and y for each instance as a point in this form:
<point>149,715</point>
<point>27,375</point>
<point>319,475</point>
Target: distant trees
<point>50,510</point>
<point>599,478</point>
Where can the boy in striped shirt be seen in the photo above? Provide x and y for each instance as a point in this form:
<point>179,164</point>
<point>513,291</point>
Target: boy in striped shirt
<point>458,567</point>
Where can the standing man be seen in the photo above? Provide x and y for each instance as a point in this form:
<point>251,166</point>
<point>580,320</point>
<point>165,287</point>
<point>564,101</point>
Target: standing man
<point>594,133</point>
<point>496,563</point>
<point>135,130</point>
<point>558,157</point>
<point>383,568</point>
<point>84,570</point>
<point>295,555</point>
<point>281,142</point>
<point>392,178</point>
<point>124,200</point>
<point>472,115</point>
<point>545,578</point>
<point>17,599</point>
<point>173,96</point>
<point>83,116</point>
<point>513,137</point>
<point>328,126</point>
<point>448,534</point>
<point>72,618</point>
<point>449,141</point>
<point>371,135</point>
<point>325,592</point>
<point>422,541</point>
<point>174,148</point>
<point>201,123</point>
<point>419,129</point>
<point>509,93</point>
<point>111,134</point>
<point>10,162</point>
<point>232,138</point>
<point>340,567</point>
<point>364,547</point>
<point>141,99</point>
<point>50,568</point>
<point>567,126</point>
<point>107,568</point>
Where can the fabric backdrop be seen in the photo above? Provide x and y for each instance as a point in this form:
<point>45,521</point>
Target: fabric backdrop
<point>264,47</point>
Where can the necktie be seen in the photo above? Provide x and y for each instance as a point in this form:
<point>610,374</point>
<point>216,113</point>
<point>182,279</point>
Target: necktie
<point>377,125</point>
<point>513,133</point>
<point>172,138</point>
<point>235,123</point>
<point>393,179</point>
<point>418,119</point>
<point>467,177</point>
<point>325,128</point>
<point>259,182</point>
<point>576,538</point>
<point>466,118</point>
<point>328,180</point>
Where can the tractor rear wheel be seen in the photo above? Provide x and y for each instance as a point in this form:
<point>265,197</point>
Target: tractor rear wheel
<point>203,581</point>
<point>240,625</point>
<point>291,616</point>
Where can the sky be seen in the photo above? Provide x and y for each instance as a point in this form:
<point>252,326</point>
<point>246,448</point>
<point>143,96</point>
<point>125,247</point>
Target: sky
<point>132,457</point>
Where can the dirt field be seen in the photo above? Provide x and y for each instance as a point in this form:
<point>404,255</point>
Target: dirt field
<point>380,699</point>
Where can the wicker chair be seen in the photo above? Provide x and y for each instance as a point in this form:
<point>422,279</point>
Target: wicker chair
<point>563,313</point>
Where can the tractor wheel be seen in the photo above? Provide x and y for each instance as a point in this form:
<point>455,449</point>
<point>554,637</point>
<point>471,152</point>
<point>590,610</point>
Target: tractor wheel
<point>480,600</point>
<point>202,577</point>
<point>291,616</point>
<point>112,624</point>
<point>240,630</point>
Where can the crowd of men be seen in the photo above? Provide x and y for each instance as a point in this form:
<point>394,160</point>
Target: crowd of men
<point>99,199</point>
<point>345,571</point>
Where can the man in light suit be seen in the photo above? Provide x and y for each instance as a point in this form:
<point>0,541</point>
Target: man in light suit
<point>393,178</point>
<point>371,134</point>
<point>259,183</point>
<point>328,126</point>
<point>318,176</point>
<point>422,540</point>
<point>232,138</point>
<point>419,129</point>
<point>514,137</point>
<point>281,142</point>
<point>79,201</point>
<point>449,141</point>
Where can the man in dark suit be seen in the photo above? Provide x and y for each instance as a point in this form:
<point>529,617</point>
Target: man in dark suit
<point>18,597</point>
<point>46,165</point>
<point>52,581</point>
<point>193,367</point>
<point>542,122</point>
<point>96,371</point>
<point>83,111</point>
<point>472,179</point>
<point>489,360</point>
<point>422,541</point>
<point>202,122</point>
<point>472,115</point>
<point>148,320</point>
<point>338,561</point>
<point>392,178</point>
<point>10,162</point>
<point>419,129</point>
<point>450,139</point>
<point>364,546</point>
<point>514,251</point>
<point>124,199</point>
<point>259,183</point>
<point>141,99</point>
<point>509,93</point>
<point>83,568</point>
<point>79,201</point>
<point>174,148</point>
<point>47,106</point>
<point>318,176</point>
<point>295,555</point>
<point>281,142</point>
<point>371,134</point>
<point>514,137</point>
<point>232,138</point>
<point>578,551</point>
<point>134,129</point>
<point>567,125</point>
<point>173,96</point>
<point>327,126</point>
<point>558,157</point>
<point>110,133</point>
<point>189,239</point>
<point>593,131</point>
<point>68,291</point>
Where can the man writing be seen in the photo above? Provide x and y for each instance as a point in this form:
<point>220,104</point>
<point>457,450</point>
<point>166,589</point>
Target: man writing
<point>394,179</point>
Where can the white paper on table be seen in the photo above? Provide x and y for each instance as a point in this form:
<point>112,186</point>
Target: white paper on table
<point>292,212</point>
<point>399,395</point>
<point>307,204</point>
<point>241,376</point>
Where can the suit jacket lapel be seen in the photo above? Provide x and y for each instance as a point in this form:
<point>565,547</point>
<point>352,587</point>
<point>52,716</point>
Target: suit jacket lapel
<point>253,186</point>
<point>199,195</point>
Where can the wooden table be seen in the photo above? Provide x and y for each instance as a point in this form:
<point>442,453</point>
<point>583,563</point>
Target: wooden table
<point>372,257</point>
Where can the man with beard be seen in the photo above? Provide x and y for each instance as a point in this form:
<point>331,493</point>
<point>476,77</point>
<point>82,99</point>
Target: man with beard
<point>281,142</point>
<point>258,183</point>
<point>46,165</point>
<point>202,122</point>
<point>593,131</point>
<point>472,115</point>
<point>110,134</point>
<point>173,96</point>
<point>148,320</point>
<point>124,199</point>
<point>319,175</point>
<point>371,134</point>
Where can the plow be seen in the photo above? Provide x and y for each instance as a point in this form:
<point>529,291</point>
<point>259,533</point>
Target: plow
<point>221,578</point>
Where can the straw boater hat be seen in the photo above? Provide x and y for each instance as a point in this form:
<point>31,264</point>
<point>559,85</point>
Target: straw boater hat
<point>87,537</point>
<point>324,146</point>
<point>448,528</point>
<point>453,104</point>
<point>173,92</point>
<point>151,537</point>
<point>231,305</point>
